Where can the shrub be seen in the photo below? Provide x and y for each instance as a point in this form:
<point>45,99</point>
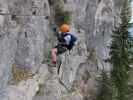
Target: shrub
<point>120,55</point>
<point>61,16</point>
<point>19,73</point>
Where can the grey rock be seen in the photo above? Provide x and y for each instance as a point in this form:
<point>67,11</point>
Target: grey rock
<point>26,39</point>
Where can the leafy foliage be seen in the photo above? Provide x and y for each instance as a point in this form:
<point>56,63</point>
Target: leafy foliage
<point>120,55</point>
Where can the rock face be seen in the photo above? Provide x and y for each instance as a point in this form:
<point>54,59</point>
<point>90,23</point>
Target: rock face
<point>26,39</point>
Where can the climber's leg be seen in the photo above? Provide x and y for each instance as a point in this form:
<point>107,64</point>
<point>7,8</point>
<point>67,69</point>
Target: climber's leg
<point>61,50</point>
<point>53,55</point>
<point>57,50</point>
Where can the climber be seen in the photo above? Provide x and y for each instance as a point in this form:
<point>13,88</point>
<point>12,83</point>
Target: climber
<point>66,42</point>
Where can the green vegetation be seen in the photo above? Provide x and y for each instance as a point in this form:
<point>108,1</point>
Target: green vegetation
<point>130,86</point>
<point>106,89</point>
<point>61,16</point>
<point>19,74</point>
<point>120,55</point>
<point>131,56</point>
<point>119,85</point>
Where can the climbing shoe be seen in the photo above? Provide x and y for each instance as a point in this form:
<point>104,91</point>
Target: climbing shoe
<point>52,64</point>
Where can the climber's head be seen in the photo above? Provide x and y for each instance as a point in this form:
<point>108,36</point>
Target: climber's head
<point>64,28</point>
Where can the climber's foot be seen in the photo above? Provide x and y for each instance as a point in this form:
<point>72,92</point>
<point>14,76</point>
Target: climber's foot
<point>51,65</point>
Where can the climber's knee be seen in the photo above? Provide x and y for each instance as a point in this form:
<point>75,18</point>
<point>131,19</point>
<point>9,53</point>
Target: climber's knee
<point>53,55</point>
<point>54,50</point>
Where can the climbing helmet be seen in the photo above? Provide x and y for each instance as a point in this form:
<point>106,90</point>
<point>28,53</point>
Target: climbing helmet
<point>64,28</point>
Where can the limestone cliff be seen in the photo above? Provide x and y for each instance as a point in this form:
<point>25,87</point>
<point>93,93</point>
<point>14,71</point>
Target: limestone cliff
<point>26,38</point>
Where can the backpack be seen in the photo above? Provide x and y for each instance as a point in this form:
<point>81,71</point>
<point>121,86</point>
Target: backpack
<point>72,41</point>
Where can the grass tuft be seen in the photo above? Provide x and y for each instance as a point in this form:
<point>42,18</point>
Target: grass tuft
<point>19,74</point>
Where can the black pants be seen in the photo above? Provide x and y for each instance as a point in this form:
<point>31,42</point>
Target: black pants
<point>60,49</point>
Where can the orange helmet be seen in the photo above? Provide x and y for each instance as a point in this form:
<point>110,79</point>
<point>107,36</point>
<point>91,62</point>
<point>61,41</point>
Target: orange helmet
<point>64,28</point>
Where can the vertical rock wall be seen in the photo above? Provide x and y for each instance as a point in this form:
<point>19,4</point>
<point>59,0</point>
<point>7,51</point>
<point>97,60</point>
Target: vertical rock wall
<point>26,39</point>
